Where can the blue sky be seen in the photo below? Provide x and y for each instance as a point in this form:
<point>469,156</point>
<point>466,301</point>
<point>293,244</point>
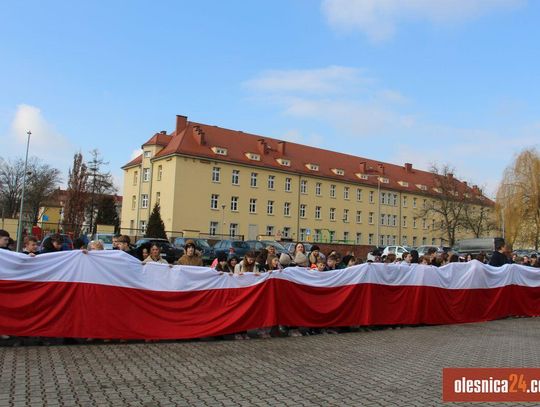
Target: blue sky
<point>422,81</point>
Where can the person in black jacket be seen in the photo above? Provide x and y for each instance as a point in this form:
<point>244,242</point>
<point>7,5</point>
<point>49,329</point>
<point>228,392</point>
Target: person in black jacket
<point>499,258</point>
<point>4,239</point>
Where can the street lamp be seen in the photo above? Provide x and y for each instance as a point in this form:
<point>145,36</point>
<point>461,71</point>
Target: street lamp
<point>20,225</point>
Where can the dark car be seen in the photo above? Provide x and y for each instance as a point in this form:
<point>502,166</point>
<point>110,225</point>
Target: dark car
<point>168,251</point>
<point>279,247</point>
<point>202,246</point>
<point>67,243</point>
<point>232,248</point>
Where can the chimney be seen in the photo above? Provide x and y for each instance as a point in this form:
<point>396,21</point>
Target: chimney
<point>381,168</point>
<point>465,183</point>
<point>198,135</point>
<point>262,146</point>
<point>363,167</point>
<point>281,147</point>
<point>408,167</point>
<point>163,132</point>
<point>181,123</point>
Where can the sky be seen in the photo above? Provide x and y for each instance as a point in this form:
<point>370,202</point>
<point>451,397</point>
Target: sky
<point>429,82</point>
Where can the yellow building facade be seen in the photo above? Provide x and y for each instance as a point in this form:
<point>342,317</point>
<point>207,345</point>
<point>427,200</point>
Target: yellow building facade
<point>226,183</point>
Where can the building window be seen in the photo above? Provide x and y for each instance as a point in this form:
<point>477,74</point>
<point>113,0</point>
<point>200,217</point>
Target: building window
<point>288,185</point>
<point>404,223</point>
<point>214,201</point>
<point>144,201</point>
<point>414,202</point>
<point>394,220</point>
<point>302,210</point>
<point>317,236</point>
<point>131,224</point>
<point>371,196</point>
<point>271,182</point>
<point>270,208</point>
<point>213,228</point>
<point>381,241</point>
<point>346,237</point>
<point>252,205</point>
<point>133,202</point>
<point>216,174</point>
<point>358,216</point>
<point>358,238</point>
<point>424,223</point>
<point>424,203</point>
<point>332,234</point>
<point>433,241</point>
<point>317,212</point>
<point>234,204</point>
<point>404,199</point>
<point>359,194</point>
<point>158,197</point>
<point>424,240</point>
<point>146,174</point>
<point>318,187</point>
<point>147,154</point>
<point>404,240</point>
<point>432,224</point>
<point>253,181</point>
<point>235,177</point>
<point>414,223</point>
<point>135,177</point>
<point>370,218</point>
<point>383,198</point>
<point>159,172</point>
<point>345,215</point>
<point>394,200</point>
<point>302,235</point>
<point>415,241</point>
<point>332,191</point>
<point>286,232</point>
<point>142,226</point>
<point>303,186</point>
<point>346,193</point>
<point>383,218</point>
<point>370,239</point>
<point>287,209</point>
<point>269,231</point>
<point>233,229</point>
<point>332,214</point>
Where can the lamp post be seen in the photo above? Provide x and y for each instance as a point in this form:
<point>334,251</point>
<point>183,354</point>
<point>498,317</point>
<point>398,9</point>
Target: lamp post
<point>20,225</point>
<point>223,218</point>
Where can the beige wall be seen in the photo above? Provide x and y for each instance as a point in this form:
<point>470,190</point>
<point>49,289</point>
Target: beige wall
<point>186,187</point>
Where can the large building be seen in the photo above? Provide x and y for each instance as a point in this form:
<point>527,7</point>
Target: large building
<point>214,181</point>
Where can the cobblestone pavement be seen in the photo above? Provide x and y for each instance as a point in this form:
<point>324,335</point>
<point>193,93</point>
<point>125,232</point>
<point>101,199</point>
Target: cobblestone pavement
<point>383,367</point>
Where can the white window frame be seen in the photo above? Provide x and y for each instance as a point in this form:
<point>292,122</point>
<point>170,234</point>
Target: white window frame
<point>318,189</point>
<point>144,201</point>
<point>303,211</point>
<point>234,204</point>
<point>303,186</point>
<point>287,209</point>
<point>253,205</point>
<point>253,180</point>
<point>216,174</point>
<point>332,190</point>
<point>235,177</point>
<point>271,182</point>
<point>146,174</point>
<point>332,214</point>
<point>288,184</point>
<point>214,201</point>
<point>270,207</point>
<point>318,212</point>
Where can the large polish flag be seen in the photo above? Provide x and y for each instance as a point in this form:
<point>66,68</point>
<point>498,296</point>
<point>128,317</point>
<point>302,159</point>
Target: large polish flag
<point>109,294</point>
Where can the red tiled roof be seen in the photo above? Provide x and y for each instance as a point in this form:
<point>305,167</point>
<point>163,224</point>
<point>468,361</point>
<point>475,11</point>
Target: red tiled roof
<point>159,139</point>
<point>197,139</point>
<point>135,161</point>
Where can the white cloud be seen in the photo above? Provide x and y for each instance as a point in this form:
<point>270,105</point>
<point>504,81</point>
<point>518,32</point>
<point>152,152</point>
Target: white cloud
<point>331,79</point>
<point>379,19</point>
<point>135,153</point>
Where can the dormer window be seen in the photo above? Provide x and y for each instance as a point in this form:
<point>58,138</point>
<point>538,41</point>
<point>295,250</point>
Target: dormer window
<point>284,162</point>
<point>338,171</point>
<point>253,156</point>
<point>147,154</point>
<point>384,180</point>
<point>362,176</point>
<point>219,150</point>
<point>422,187</point>
<point>403,183</point>
<point>312,167</point>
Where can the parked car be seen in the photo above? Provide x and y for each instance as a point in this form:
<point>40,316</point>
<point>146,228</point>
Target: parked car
<point>168,251</point>
<point>106,238</point>
<point>258,245</point>
<point>206,250</point>
<point>232,248</point>
<point>476,246</point>
<point>422,250</point>
<point>279,247</point>
<point>397,250</point>
<point>67,243</point>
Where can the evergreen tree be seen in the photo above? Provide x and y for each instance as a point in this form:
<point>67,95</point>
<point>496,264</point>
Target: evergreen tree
<point>155,227</point>
<point>106,213</point>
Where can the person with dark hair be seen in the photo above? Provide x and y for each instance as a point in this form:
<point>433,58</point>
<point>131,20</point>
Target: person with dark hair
<point>454,258</point>
<point>315,255</point>
<point>348,261</point>
<point>124,244</point>
<point>274,264</point>
<point>534,261</point>
<point>4,239</point>
<point>390,259</point>
<point>414,257</point>
<point>222,265</point>
<point>190,257</point>
<point>247,265</point>
<point>52,244</point>
<point>331,262</point>
<point>232,262</point>
<point>406,258</point>
<point>299,256</point>
<point>155,256</point>
<point>78,244</point>
<point>262,260</point>
<point>30,246</point>
<point>499,258</point>
<point>115,242</point>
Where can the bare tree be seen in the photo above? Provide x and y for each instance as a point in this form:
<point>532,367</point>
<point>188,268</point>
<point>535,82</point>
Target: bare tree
<point>478,217</point>
<point>100,184</point>
<point>42,182</point>
<point>11,176</point>
<point>77,195</point>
